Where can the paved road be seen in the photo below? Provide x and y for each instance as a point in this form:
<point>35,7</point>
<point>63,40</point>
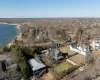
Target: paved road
<point>3,57</point>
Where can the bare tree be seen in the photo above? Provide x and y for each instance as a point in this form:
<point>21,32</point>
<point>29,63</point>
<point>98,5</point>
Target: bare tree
<point>79,35</point>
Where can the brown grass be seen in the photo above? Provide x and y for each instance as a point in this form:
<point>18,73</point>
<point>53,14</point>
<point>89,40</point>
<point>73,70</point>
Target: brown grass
<point>47,76</point>
<point>66,50</point>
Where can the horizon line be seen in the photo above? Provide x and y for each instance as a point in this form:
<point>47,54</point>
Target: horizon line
<point>44,17</point>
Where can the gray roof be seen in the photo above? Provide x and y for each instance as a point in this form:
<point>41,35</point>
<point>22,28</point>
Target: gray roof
<point>55,53</point>
<point>36,64</point>
<point>84,46</point>
<point>74,45</point>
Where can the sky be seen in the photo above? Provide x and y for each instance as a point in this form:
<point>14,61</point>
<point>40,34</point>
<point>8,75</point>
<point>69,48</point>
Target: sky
<point>49,8</point>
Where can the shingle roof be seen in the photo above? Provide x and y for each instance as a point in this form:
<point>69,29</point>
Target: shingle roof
<point>36,64</point>
<point>84,46</point>
<point>55,53</point>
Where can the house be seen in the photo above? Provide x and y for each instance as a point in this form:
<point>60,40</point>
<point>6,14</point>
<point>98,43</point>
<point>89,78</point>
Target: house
<point>37,66</point>
<point>46,52</point>
<point>2,73</point>
<point>53,54</point>
<point>95,44</point>
<point>81,49</point>
<point>56,54</point>
<point>55,43</point>
<point>13,72</point>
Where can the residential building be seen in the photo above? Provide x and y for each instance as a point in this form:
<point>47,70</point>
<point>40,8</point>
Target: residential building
<point>81,49</point>
<point>95,44</point>
<point>53,54</point>
<point>37,66</point>
<point>55,43</point>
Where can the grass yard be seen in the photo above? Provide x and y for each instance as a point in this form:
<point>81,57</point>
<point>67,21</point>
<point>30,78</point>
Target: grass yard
<point>63,66</point>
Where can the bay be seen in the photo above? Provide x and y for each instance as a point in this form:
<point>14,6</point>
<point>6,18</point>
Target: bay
<point>7,33</point>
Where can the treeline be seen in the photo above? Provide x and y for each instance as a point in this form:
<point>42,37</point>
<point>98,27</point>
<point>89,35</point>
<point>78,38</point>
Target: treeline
<point>44,34</point>
<point>20,60</point>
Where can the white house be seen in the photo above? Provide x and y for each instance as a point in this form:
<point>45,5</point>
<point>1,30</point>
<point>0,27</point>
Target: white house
<point>95,44</point>
<point>81,49</point>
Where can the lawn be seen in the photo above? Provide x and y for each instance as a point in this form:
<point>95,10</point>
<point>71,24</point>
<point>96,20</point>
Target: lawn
<point>62,67</point>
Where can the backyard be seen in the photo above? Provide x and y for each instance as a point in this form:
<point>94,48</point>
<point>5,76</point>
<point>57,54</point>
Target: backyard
<point>76,58</point>
<point>66,50</point>
<point>64,66</point>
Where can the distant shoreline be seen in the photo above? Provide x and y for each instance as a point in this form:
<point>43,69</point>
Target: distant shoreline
<point>19,32</point>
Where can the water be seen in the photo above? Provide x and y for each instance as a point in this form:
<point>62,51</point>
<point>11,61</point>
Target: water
<point>7,33</point>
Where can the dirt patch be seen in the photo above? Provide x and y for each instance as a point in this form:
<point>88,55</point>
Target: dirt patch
<point>47,76</point>
<point>96,51</point>
<point>66,50</point>
<point>19,37</point>
<point>78,59</point>
<point>3,57</point>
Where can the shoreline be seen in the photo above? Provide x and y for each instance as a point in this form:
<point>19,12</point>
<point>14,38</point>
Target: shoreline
<point>11,42</point>
<point>19,33</point>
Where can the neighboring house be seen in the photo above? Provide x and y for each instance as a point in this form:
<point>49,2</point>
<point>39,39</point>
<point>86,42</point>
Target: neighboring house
<point>37,66</point>
<point>39,36</point>
<point>13,72</point>
<point>2,73</point>
<point>56,54</point>
<point>53,54</point>
<point>46,52</point>
<point>95,44</point>
<point>55,44</point>
<point>81,49</point>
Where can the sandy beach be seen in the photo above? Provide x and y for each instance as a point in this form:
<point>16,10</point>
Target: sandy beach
<point>18,37</point>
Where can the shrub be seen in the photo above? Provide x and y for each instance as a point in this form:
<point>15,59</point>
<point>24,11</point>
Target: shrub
<point>6,49</point>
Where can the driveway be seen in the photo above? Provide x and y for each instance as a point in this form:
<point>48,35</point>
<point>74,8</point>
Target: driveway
<point>3,57</point>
